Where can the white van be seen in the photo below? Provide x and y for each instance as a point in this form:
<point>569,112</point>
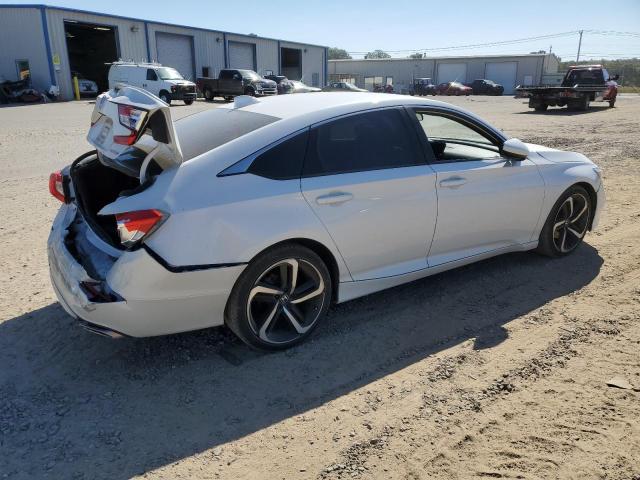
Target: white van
<point>164,82</point>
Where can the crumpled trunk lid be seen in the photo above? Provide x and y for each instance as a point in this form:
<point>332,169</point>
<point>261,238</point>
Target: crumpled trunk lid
<point>127,117</point>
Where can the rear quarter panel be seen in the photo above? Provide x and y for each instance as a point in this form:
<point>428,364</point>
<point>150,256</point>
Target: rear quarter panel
<point>219,220</point>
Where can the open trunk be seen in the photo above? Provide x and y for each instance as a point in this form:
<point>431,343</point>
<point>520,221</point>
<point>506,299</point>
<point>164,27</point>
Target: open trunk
<point>96,185</point>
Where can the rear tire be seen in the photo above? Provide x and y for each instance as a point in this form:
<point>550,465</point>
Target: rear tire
<point>567,223</point>
<point>280,298</point>
<point>612,103</point>
<point>541,108</point>
<point>189,101</point>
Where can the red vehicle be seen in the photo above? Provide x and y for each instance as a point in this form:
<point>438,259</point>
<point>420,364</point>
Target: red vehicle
<point>453,88</point>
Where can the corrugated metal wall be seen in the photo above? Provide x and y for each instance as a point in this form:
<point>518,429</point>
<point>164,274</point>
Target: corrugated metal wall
<point>208,46</point>
<point>22,38</point>
<point>266,51</point>
<point>130,37</point>
<point>312,61</point>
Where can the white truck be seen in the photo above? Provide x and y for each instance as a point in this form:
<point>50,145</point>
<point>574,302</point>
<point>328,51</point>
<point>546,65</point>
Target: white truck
<point>163,82</point>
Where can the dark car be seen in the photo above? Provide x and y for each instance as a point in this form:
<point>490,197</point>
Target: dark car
<point>453,88</point>
<point>342,87</point>
<point>482,86</point>
<point>423,86</point>
<point>284,84</point>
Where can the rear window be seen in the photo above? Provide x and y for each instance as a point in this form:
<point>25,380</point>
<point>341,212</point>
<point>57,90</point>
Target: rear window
<point>204,131</point>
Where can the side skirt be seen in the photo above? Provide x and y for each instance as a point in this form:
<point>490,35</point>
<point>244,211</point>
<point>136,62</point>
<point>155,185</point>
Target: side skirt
<point>350,290</point>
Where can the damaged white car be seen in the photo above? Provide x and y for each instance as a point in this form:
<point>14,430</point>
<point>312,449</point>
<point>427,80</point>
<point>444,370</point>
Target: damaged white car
<point>262,213</point>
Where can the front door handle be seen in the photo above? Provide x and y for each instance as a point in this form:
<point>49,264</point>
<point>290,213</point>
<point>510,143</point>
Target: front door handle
<point>334,198</point>
<point>453,182</point>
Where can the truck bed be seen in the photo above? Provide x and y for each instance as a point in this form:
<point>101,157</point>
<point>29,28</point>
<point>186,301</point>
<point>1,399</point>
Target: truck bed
<point>548,89</point>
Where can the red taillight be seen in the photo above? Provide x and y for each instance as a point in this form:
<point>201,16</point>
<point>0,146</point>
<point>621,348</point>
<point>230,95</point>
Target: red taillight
<point>131,117</point>
<point>134,226</point>
<point>56,186</point>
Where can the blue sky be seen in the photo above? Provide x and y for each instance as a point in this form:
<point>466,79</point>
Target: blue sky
<point>360,26</point>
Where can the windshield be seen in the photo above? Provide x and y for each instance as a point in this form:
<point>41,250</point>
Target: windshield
<point>250,74</point>
<point>204,131</point>
<point>167,73</point>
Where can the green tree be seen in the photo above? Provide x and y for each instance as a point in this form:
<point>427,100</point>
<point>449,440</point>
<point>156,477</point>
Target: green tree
<point>417,55</point>
<point>338,54</point>
<point>377,54</point>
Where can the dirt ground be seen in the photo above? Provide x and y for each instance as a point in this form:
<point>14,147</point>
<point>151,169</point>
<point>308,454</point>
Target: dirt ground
<point>496,370</point>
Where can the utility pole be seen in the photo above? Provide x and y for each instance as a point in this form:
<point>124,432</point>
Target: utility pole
<point>579,46</point>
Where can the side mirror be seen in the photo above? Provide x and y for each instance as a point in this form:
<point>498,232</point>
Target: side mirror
<point>515,148</point>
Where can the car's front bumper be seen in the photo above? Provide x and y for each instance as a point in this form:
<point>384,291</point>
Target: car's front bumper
<point>149,299</point>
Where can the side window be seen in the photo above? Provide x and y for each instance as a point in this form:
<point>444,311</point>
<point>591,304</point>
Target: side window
<point>226,74</point>
<point>452,140</point>
<point>366,141</point>
<point>283,161</point>
<point>151,74</point>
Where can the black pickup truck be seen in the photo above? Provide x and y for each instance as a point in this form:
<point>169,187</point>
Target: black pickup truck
<point>233,82</point>
<point>581,84</point>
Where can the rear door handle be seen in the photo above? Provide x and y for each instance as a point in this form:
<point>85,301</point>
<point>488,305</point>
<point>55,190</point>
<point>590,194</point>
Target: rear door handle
<point>334,198</point>
<point>453,182</point>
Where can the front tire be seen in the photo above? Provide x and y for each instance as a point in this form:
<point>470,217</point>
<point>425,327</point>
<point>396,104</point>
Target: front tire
<point>567,223</point>
<point>280,298</point>
<point>189,101</point>
<point>208,95</point>
<point>165,97</point>
<point>250,91</point>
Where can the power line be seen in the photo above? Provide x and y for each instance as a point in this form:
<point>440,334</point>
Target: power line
<point>480,45</point>
<point>510,42</point>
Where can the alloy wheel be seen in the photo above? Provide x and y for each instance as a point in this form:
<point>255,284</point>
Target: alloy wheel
<point>571,223</point>
<point>286,301</point>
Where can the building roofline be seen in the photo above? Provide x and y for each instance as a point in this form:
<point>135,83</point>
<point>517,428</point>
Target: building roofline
<point>122,17</point>
<point>438,58</point>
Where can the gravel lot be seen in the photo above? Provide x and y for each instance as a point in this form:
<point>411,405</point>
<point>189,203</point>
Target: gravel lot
<point>498,369</point>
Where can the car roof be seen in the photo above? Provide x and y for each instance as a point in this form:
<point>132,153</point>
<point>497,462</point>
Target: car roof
<point>324,105</point>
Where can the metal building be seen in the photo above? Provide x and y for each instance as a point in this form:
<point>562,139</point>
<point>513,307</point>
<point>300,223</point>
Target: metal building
<point>49,43</point>
<point>508,70</point>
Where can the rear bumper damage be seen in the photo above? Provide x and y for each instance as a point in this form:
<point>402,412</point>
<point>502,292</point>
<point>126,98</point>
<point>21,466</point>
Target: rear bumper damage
<point>138,297</point>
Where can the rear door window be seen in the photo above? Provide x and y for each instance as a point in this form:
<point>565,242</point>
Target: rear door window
<point>373,140</point>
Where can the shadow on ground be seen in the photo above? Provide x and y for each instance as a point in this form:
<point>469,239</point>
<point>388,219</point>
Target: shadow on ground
<point>74,405</point>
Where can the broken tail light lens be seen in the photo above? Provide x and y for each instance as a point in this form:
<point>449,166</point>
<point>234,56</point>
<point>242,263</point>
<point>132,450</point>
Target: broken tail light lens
<point>134,226</point>
<point>131,117</point>
<point>56,186</point>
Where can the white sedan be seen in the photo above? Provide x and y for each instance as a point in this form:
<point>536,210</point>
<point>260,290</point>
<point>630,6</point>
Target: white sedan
<point>262,213</point>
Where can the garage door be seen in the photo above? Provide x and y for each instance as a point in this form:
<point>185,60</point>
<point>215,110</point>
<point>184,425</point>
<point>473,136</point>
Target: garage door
<point>452,72</point>
<point>503,73</point>
<point>176,51</point>
<point>242,55</point>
